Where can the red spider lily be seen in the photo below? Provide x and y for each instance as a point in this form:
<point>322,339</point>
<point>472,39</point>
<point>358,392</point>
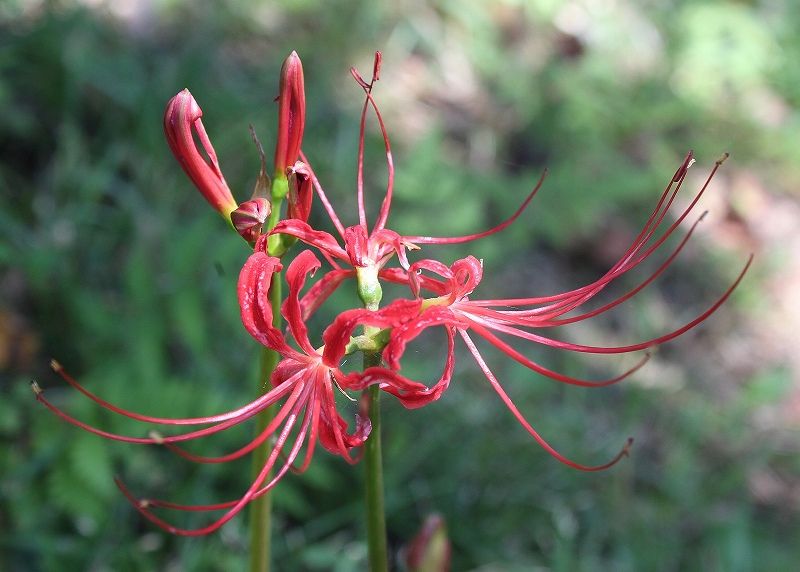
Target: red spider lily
<point>367,251</point>
<point>257,318</point>
<point>522,317</point>
<point>303,380</point>
<point>181,124</point>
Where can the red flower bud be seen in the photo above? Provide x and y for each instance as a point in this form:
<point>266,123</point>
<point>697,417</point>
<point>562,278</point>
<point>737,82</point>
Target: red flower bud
<point>250,217</point>
<point>429,551</point>
<point>291,115</point>
<point>181,124</point>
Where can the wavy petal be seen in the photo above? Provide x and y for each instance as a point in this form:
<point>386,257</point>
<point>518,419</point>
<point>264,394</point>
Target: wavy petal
<point>305,263</point>
<point>337,335</point>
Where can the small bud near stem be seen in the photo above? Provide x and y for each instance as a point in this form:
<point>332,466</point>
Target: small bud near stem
<point>250,217</point>
<point>430,549</point>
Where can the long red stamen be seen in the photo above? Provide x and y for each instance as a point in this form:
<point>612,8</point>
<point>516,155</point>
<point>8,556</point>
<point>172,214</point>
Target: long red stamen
<point>256,405</point>
<point>142,507</point>
<point>491,231</point>
<point>323,198</point>
<point>540,369</point>
<point>627,296</point>
<point>286,408</point>
<point>522,421</point>
<point>545,315</point>
<point>275,394</point>
<point>158,503</point>
<point>362,213</point>
<point>625,264</point>
<point>633,347</point>
<point>380,223</point>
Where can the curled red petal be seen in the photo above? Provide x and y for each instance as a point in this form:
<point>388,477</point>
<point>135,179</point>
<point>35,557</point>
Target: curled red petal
<point>316,238</point>
<point>381,376</point>
<point>305,263</point>
<point>333,433</point>
<point>254,303</point>
<point>400,276</point>
<point>337,335</point>
<point>415,397</point>
<point>322,289</point>
<point>410,329</point>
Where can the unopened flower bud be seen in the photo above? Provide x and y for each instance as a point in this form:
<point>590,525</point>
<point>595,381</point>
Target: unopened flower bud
<point>250,216</point>
<point>429,551</point>
<point>291,115</point>
<point>181,124</point>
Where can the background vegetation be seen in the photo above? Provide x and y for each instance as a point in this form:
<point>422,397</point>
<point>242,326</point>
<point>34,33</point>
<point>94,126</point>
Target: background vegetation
<point>112,263</point>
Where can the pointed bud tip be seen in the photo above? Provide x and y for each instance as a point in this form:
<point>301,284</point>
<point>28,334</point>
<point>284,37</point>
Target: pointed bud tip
<point>292,63</point>
<point>157,437</point>
<point>36,388</point>
<point>55,366</point>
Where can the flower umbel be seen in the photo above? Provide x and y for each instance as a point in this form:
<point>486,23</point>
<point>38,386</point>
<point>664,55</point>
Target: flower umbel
<point>306,376</point>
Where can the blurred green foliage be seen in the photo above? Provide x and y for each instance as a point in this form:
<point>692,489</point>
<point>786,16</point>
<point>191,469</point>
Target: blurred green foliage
<point>110,262</point>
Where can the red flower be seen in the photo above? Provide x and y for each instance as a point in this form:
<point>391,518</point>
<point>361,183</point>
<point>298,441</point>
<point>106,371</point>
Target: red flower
<point>303,380</point>
<point>181,123</point>
<point>254,285</point>
<point>366,251</point>
<point>524,317</point>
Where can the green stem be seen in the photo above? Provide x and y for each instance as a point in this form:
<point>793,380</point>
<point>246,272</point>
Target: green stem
<point>261,508</point>
<point>376,518</point>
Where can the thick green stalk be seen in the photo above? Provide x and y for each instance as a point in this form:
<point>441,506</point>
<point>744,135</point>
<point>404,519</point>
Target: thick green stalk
<point>376,518</point>
<point>261,508</point>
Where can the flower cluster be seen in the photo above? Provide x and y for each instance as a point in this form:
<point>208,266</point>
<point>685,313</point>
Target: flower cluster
<point>440,296</point>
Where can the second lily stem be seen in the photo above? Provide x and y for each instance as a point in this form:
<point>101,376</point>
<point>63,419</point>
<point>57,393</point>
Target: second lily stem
<point>376,518</point>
